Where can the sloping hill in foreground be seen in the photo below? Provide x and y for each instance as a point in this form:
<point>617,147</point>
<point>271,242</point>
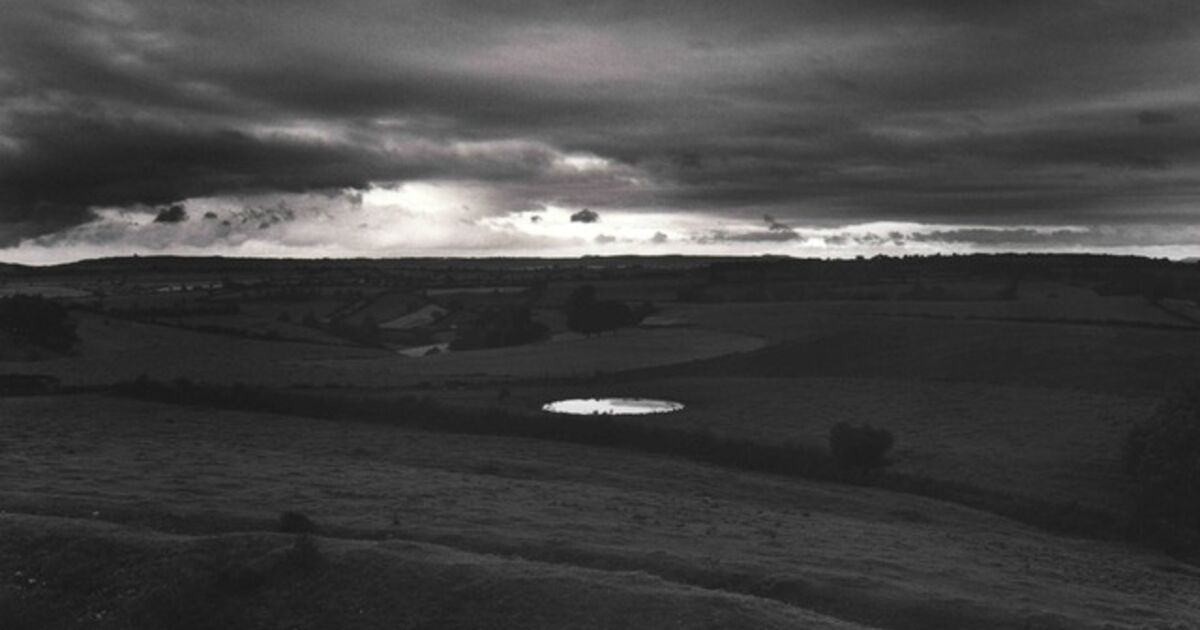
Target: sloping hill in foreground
<point>69,573</point>
<point>120,514</point>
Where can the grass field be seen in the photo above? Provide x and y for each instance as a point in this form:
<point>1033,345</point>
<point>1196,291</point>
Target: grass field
<point>44,290</point>
<point>572,356</point>
<point>113,349</point>
<point>1058,445</point>
<point>513,516</point>
<point>1080,309</point>
<point>246,580</point>
<point>116,350</point>
<point>242,325</point>
<point>816,340</point>
<point>656,289</point>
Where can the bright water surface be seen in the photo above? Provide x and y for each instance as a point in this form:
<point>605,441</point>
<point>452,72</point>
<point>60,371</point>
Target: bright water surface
<point>612,406</point>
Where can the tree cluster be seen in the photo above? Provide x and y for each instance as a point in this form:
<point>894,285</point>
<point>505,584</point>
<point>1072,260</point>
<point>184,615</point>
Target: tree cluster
<point>498,327</point>
<point>38,321</point>
<point>588,315</point>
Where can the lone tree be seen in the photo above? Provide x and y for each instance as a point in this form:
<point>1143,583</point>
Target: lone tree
<point>38,321</point>
<point>1162,454</point>
<point>862,448</point>
<point>588,315</point>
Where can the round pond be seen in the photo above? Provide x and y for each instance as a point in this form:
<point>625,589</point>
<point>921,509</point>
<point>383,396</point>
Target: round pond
<point>612,406</point>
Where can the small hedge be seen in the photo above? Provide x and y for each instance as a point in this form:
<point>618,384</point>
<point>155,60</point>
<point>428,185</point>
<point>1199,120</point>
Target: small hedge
<point>1162,455</point>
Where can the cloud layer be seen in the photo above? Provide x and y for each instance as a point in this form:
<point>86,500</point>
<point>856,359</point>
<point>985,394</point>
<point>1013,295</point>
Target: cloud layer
<point>816,115</point>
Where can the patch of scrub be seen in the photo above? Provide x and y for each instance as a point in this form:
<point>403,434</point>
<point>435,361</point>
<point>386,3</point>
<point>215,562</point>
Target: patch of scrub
<point>612,406</point>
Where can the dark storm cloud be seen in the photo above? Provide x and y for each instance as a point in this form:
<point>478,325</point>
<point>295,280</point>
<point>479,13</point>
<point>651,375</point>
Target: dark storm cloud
<point>809,111</point>
<point>174,213</point>
<point>774,225</point>
<point>265,217</point>
<point>1015,236</point>
<point>1106,236</point>
<point>585,216</point>
<point>70,162</point>
<point>775,232</point>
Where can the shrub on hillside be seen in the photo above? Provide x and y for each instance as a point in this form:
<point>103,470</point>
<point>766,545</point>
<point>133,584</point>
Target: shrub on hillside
<point>39,321</point>
<point>588,315</point>
<point>304,554</point>
<point>1162,454</point>
<point>499,327</point>
<point>296,523</point>
<point>863,447</point>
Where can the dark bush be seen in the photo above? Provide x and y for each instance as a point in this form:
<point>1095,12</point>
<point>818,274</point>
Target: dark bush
<point>304,554</point>
<point>498,327</point>
<point>863,447</point>
<point>296,523</point>
<point>1162,455</point>
<point>588,315</point>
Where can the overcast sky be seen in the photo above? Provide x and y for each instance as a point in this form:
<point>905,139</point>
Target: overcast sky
<point>390,128</point>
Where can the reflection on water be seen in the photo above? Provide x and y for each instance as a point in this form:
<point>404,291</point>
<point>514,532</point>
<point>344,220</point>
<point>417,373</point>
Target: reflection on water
<point>612,406</point>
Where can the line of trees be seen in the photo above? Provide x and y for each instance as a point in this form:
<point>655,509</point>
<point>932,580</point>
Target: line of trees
<point>588,314</point>
<point>498,327</point>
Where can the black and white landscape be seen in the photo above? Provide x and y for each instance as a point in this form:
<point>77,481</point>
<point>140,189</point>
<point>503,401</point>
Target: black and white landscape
<point>599,314</point>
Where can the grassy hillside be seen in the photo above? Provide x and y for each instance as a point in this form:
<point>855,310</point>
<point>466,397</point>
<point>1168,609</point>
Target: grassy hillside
<point>70,573</point>
<point>114,350</point>
<point>1008,382</point>
<point>1052,444</point>
<point>815,342</point>
<point>526,533</point>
